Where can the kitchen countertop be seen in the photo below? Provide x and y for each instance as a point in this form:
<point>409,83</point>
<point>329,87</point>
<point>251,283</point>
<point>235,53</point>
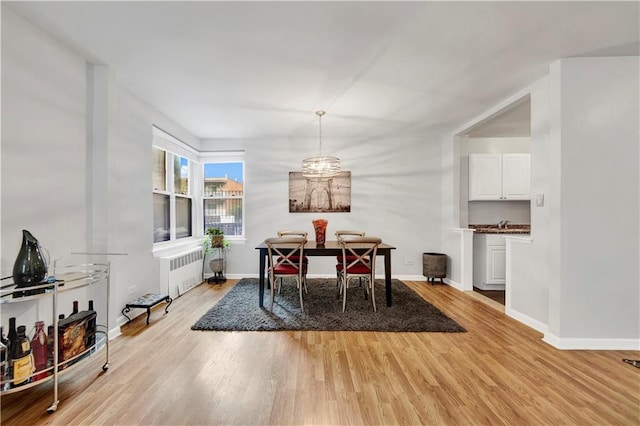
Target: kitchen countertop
<point>510,229</point>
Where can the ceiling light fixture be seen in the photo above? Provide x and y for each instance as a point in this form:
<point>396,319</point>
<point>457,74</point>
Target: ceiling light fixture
<point>320,166</point>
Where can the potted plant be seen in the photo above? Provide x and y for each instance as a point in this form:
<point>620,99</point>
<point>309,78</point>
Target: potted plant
<point>214,239</point>
<point>216,236</point>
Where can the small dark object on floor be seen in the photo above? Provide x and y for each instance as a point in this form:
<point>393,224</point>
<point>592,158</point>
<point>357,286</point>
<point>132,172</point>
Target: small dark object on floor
<point>634,362</point>
<point>218,278</point>
<point>434,265</point>
<point>147,302</point>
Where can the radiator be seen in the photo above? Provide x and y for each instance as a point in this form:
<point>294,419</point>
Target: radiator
<point>181,272</point>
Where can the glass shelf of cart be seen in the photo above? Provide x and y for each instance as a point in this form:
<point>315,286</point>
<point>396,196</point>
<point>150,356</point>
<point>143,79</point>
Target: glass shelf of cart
<point>81,276</point>
<point>11,293</point>
<point>67,365</point>
<point>6,388</point>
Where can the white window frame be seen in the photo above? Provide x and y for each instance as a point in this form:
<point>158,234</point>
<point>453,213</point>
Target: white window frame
<point>222,157</point>
<point>176,148</point>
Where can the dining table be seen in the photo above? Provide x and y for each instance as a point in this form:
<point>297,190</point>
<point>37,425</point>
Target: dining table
<point>329,248</point>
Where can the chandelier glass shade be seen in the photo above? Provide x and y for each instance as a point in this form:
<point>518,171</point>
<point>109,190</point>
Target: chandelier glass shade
<point>320,166</point>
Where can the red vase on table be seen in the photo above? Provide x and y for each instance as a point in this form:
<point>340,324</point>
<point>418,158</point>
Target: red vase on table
<point>320,226</point>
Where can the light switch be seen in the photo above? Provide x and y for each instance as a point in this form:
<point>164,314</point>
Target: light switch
<point>540,200</point>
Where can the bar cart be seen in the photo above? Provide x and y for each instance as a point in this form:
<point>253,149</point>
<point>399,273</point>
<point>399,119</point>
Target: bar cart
<point>67,277</point>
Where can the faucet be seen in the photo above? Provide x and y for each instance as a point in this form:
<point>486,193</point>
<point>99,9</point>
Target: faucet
<point>503,224</point>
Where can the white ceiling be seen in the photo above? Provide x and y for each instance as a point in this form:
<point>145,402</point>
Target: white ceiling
<point>261,69</point>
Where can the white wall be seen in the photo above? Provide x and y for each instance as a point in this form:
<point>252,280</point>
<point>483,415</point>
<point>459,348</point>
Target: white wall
<point>395,194</point>
<point>599,295</point>
<point>528,286</point>
<point>57,113</point>
<point>76,172</point>
<point>578,279</point>
<point>43,151</point>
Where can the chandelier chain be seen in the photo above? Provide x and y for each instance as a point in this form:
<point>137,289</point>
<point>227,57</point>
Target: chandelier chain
<point>320,114</point>
<point>320,167</point>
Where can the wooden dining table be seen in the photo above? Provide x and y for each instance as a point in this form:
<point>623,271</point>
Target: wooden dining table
<point>329,248</point>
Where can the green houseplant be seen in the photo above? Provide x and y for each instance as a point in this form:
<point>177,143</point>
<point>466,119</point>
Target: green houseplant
<point>214,239</point>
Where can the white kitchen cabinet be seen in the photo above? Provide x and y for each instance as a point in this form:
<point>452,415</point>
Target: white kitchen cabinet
<point>489,261</point>
<point>499,177</point>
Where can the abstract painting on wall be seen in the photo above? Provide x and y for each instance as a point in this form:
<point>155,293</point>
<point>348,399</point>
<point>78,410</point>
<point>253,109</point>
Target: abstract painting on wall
<point>331,195</point>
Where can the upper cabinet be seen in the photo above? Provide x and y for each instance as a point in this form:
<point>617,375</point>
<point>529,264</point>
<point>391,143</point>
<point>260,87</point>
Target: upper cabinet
<point>499,177</point>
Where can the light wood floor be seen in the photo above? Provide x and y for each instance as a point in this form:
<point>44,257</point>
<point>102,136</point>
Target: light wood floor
<point>499,372</point>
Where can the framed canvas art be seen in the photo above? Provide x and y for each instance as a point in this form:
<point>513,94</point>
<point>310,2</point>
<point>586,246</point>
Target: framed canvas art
<point>332,195</point>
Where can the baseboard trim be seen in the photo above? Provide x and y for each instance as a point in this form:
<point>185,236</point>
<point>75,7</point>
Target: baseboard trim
<point>115,332</point>
<point>455,284</point>
<point>591,344</point>
<point>527,320</point>
<point>485,286</point>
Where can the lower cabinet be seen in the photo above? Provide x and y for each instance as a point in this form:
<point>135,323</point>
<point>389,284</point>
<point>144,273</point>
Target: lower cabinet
<point>489,261</point>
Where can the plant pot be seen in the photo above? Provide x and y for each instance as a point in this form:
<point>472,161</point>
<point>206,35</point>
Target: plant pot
<point>217,240</point>
<point>216,265</point>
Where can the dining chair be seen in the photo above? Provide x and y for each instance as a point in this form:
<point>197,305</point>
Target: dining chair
<point>340,234</point>
<point>285,255</point>
<point>294,258</point>
<point>362,252</point>
<point>294,234</point>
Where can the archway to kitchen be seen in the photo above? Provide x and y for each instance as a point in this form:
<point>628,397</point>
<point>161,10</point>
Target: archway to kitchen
<point>494,181</point>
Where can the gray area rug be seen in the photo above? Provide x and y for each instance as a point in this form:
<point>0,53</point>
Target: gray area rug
<point>238,310</point>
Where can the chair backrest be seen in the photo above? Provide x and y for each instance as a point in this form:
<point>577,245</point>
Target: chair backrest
<point>345,232</point>
<point>292,234</point>
<point>359,250</point>
<point>285,251</point>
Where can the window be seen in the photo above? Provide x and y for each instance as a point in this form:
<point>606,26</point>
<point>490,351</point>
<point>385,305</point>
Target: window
<point>172,193</point>
<point>223,195</point>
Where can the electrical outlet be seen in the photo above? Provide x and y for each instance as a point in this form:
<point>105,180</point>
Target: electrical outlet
<point>408,262</point>
<point>132,290</point>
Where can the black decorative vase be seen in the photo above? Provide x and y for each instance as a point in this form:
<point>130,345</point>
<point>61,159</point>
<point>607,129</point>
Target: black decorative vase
<point>30,267</point>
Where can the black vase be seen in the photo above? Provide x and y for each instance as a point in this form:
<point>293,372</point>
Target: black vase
<point>30,267</point>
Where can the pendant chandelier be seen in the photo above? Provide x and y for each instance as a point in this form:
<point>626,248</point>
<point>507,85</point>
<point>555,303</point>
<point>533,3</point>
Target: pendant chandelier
<point>320,166</point>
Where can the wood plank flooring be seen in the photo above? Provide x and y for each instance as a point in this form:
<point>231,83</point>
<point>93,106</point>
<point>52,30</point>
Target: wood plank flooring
<point>499,372</point>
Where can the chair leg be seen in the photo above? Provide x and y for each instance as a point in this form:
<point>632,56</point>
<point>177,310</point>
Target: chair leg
<point>372,282</point>
<point>300,291</point>
<point>273,290</point>
<point>345,285</point>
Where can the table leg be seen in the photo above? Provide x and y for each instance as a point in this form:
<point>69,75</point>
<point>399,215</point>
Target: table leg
<point>387,276</point>
<point>261,275</point>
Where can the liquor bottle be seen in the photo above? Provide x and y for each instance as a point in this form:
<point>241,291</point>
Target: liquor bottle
<point>50,342</point>
<point>3,358</point>
<point>5,343</point>
<point>39,347</point>
<point>3,338</point>
<point>60,318</point>
<point>75,307</point>
<point>12,334</point>
<point>21,358</point>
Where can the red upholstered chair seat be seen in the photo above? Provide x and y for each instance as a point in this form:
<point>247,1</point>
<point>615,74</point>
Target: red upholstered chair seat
<point>287,270</point>
<point>358,268</point>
